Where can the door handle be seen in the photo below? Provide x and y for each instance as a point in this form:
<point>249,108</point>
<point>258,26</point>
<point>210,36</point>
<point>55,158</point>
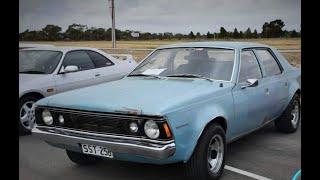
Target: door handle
<point>286,84</point>
<point>267,91</point>
<point>97,75</point>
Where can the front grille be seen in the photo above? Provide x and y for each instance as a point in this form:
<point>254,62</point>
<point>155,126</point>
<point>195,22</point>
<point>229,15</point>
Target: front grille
<point>105,123</point>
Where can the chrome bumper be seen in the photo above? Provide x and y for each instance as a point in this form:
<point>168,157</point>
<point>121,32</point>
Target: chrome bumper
<point>116,144</point>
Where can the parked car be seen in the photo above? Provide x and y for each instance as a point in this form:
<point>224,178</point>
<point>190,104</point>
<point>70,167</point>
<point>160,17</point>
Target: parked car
<point>46,71</point>
<point>182,103</point>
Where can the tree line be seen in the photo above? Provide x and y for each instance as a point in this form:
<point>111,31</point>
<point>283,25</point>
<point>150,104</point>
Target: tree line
<point>78,32</point>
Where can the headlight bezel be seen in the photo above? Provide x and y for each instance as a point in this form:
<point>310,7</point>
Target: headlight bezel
<point>48,119</point>
<point>151,129</point>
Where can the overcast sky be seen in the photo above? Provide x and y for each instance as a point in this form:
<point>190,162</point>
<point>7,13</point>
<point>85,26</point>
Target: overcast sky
<point>160,15</point>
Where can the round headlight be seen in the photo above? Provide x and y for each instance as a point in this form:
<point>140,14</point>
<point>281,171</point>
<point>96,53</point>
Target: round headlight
<point>61,119</point>
<point>151,129</point>
<point>47,117</point>
<point>133,126</point>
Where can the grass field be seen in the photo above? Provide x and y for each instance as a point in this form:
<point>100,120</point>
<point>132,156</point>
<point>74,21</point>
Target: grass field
<point>280,44</point>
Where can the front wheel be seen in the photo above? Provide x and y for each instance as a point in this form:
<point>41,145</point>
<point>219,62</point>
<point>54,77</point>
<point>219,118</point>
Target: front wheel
<point>26,114</point>
<point>208,159</point>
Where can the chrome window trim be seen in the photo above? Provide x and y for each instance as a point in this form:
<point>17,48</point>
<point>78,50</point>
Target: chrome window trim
<point>270,51</point>
<point>239,68</point>
<point>220,47</point>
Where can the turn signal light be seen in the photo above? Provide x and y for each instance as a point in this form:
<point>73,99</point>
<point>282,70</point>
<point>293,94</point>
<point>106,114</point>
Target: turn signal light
<point>167,130</point>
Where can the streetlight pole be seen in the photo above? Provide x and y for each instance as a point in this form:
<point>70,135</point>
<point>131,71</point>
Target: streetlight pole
<point>113,36</point>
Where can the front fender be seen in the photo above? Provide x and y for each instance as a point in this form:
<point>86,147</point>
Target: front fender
<point>188,124</point>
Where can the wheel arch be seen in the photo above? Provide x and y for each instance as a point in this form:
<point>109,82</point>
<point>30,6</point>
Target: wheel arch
<point>221,120</point>
<point>35,94</point>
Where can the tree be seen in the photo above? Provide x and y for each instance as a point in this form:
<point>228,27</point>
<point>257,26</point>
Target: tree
<point>255,34</point>
<point>191,35</point>
<point>223,32</point>
<point>198,35</point>
<point>248,33</point>
<point>76,31</point>
<point>235,33</point>
<point>294,34</point>
<point>51,32</point>
<point>273,29</point>
<point>241,34</point>
<point>209,36</point>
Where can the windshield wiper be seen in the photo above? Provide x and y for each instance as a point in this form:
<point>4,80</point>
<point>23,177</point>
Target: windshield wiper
<point>32,72</point>
<point>147,75</point>
<point>191,76</point>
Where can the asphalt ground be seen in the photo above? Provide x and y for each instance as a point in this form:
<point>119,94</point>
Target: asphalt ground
<point>264,154</point>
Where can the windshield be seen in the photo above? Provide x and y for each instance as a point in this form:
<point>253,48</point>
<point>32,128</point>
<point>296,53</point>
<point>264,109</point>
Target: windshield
<point>210,63</point>
<point>38,61</point>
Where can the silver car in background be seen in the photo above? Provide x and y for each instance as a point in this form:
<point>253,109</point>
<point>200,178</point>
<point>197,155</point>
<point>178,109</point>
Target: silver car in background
<point>46,71</point>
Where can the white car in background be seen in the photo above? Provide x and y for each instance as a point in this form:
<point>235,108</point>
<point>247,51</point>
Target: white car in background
<point>46,71</point>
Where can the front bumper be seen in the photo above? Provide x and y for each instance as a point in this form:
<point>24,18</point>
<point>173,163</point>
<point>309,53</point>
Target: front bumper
<point>118,144</point>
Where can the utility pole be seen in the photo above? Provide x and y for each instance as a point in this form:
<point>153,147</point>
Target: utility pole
<point>113,36</point>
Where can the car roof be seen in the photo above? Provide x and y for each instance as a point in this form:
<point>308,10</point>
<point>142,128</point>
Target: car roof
<point>218,44</point>
<point>60,48</point>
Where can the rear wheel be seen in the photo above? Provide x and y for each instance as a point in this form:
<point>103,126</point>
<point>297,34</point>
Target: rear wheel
<point>289,121</point>
<point>208,159</point>
<point>82,159</point>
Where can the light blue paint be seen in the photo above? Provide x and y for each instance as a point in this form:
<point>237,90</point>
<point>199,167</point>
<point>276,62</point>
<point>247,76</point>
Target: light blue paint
<point>195,102</point>
<point>296,175</point>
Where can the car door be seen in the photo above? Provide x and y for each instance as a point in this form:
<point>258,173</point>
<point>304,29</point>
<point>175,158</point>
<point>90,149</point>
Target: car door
<point>249,102</point>
<point>73,80</point>
<point>105,70</point>
<point>277,82</point>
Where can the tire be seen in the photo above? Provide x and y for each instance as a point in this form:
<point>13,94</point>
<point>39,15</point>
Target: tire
<point>289,121</point>
<point>82,159</point>
<point>26,114</point>
<point>198,168</point>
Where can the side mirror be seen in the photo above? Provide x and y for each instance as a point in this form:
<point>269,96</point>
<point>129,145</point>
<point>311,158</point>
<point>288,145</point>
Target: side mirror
<point>69,68</point>
<point>250,83</point>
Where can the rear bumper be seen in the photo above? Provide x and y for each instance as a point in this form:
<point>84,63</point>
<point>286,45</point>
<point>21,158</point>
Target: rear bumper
<point>117,144</point>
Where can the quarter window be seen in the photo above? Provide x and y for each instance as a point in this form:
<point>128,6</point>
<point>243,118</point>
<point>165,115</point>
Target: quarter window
<point>80,59</point>
<point>249,68</point>
<point>99,60</point>
<point>268,62</point>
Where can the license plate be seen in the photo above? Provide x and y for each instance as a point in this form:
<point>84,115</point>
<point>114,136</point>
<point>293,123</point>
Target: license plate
<point>96,150</point>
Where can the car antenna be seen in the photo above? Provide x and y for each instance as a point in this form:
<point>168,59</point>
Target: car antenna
<point>221,85</point>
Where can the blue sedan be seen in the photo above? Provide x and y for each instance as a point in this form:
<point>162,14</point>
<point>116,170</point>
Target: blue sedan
<point>182,104</point>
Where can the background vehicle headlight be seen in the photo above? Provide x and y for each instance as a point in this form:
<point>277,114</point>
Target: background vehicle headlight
<point>133,126</point>
<point>151,129</point>
<point>47,117</point>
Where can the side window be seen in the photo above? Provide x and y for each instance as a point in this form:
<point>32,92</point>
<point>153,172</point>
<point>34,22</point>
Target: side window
<point>99,60</point>
<point>80,59</point>
<point>268,62</point>
<point>249,68</point>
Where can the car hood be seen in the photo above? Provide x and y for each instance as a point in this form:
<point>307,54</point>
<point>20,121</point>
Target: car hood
<point>138,95</point>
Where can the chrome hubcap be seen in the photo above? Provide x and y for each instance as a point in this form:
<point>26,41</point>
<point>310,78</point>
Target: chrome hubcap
<point>295,113</point>
<point>215,153</point>
<point>27,115</point>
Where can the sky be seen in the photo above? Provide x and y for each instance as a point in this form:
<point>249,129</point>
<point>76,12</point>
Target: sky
<point>158,16</point>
